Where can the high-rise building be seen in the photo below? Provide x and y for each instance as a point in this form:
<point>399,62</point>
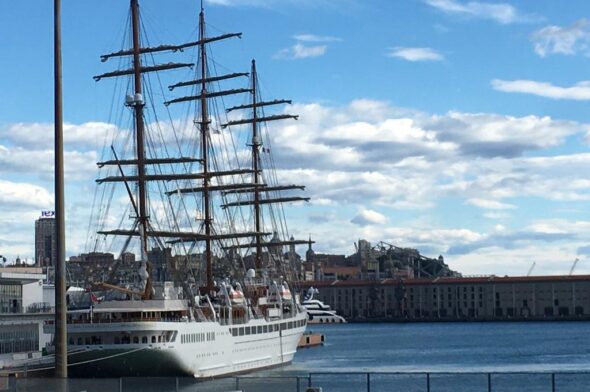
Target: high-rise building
<point>45,242</point>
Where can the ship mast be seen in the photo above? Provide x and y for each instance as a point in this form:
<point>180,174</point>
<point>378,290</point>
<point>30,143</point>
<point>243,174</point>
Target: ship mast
<point>258,187</point>
<point>255,159</point>
<point>204,147</point>
<point>138,105</point>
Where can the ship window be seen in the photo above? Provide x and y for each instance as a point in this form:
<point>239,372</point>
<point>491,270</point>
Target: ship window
<point>290,325</point>
<point>159,338</point>
<point>241,331</point>
<point>264,329</point>
<point>136,339</point>
<point>247,330</point>
<point>71,341</point>
<point>144,339</point>
<point>234,332</point>
<point>283,326</point>
<point>277,326</point>
<point>259,329</point>
<point>87,341</point>
<point>79,341</point>
<point>117,340</point>
<point>153,339</point>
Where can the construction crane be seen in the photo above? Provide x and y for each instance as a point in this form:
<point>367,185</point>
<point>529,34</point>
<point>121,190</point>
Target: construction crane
<point>531,269</point>
<point>574,266</point>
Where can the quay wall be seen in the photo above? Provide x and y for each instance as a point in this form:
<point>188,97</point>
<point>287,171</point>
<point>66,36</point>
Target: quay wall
<point>489,298</point>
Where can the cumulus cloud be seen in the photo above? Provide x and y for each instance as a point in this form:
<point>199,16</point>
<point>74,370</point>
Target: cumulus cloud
<point>278,3</point>
<point>368,150</point>
<point>563,40</point>
<point>579,92</point>
<point>90,135</point>
<point>415,54</point>
<point>18,194</point>
<point>315,38</point>
<point>39,163</point>
<point>369,217</point>
<point>490,204</point>
<point>499,12</point>
<point>301,51</point>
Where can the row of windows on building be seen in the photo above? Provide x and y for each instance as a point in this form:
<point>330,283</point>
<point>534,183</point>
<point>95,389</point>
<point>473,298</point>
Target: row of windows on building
<point>19,340</point>
<point>260,329</point>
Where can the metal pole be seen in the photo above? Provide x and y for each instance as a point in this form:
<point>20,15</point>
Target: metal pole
<point>61,354</point>
<point>552,382</point>
<point>368,382</point>
<point>427,382</point>
<point>489,382</point>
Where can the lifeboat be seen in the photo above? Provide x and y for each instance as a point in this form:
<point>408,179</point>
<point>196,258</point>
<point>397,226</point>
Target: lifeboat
<point>285,293</point>
<point>236,295</point>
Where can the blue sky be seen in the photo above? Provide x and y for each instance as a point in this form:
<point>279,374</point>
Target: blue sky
<point>456,127</point>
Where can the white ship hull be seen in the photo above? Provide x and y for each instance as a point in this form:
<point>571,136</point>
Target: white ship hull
<point>199,349</point>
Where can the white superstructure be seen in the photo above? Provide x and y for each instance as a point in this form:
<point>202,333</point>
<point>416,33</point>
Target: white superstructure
<point>318,312</point>
<point>166,338</point>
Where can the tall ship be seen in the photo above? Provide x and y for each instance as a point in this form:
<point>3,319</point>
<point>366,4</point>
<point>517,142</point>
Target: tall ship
<point>196,184</point>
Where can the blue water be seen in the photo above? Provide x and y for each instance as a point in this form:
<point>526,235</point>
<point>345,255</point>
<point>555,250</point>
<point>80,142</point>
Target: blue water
<point>452,347</point>
<point>465,348</point>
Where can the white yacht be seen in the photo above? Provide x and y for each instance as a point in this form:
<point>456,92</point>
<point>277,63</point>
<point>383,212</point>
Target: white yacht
<point>318,312</point>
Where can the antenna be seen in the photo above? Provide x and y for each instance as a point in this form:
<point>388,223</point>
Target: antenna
<point>531,269</point>
<point>574,266</point>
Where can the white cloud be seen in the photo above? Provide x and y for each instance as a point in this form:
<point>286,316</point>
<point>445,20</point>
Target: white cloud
<point>490,204</point>
<point>19,194</point>
<point>369,217</point>
<point>415,54</point>
<point>563,40</point>
<point>41,135</point>
<point>39,163</point>
<point>300,51</point>
<point>315,38</point>
<point>580,91</point>
<point>500,12</point>
<point>279,3</point>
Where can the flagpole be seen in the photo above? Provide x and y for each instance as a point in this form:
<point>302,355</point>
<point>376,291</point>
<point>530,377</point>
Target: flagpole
<point>61,356</point>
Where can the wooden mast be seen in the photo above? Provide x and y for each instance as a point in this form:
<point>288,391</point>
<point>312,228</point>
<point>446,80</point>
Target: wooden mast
<point>255,159</point>
<point>138,104</point>
<point>204,147</point>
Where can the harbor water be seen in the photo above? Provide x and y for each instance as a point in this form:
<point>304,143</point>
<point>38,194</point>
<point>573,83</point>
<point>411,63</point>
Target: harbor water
<point>449,347</point>
<point>437,357</point>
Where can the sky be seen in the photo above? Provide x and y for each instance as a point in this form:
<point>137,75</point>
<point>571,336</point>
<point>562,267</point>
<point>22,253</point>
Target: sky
<point>456,127</point>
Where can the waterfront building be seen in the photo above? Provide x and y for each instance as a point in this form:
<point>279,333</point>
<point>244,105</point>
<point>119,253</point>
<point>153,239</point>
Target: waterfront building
<point>457,298</point>
<point>45,242</point>
<point>25,304</point>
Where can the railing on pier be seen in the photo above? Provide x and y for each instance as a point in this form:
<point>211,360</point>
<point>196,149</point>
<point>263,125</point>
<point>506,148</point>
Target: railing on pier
<point>326,382</point>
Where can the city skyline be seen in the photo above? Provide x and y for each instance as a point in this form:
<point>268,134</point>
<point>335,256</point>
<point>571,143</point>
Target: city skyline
<point>454,127</point>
